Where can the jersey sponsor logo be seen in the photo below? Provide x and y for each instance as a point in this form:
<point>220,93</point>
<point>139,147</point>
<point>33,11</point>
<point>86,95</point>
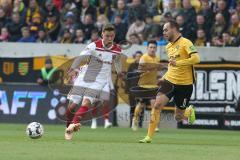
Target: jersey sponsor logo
<point>192,49</point>
<point>23,68</point>
<point>8,68</point>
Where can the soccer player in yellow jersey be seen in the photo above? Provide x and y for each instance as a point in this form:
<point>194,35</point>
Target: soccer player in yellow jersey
<point>147,87</point>
<point>178,81</point>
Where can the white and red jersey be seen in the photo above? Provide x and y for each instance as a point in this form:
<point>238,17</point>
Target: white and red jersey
<point>99,68</point>
<point>95,79</point>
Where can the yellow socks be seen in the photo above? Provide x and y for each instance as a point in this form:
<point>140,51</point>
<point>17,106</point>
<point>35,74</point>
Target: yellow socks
<point>137,113</point>
<point>154,120</point>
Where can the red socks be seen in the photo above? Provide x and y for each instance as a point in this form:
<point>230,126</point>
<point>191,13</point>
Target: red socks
<point>80,114</point>
<point>106,112</point>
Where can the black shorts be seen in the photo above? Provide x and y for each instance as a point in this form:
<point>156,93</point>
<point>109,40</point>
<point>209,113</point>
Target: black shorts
<point>144,95</point>
<point>181,94</point>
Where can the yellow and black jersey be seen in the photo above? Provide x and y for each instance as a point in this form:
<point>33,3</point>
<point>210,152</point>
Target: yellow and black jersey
<point>150,64</point>
<point>185,54</point>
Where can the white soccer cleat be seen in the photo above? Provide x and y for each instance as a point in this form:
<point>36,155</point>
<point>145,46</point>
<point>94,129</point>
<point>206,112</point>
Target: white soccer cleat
<point>68,135</point>
<point>94,123</point>
<point>156,129</point>
<point>71,128</point>
<point>107,124</point>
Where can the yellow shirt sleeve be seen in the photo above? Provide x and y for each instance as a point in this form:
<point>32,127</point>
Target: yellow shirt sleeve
<point>143,59</point>
<point>193,55</point>
<point>189,47</point>
<point>194,59</point>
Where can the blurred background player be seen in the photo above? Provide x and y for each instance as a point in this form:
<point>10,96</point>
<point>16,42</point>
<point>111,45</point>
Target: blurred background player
<point>178,81</point>
<point>97,80</point>
<point>132,79</point>
<point>147,84</point>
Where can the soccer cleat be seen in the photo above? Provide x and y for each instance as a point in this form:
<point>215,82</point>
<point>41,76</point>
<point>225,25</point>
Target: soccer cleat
<point>146,140</point>
<point>77,127</point>
<point>192,117</point>
<point>94,123</point>
<point>68,135</point>
<point>134,125</point>
<point>71,128</point>
<point>156,129</point>
<point>107,125</point>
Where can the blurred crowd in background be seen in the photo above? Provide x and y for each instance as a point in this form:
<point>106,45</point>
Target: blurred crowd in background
<point>205,22</point>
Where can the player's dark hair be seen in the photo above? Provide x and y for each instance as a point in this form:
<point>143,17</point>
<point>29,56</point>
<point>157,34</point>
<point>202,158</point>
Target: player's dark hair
<point>137,52</point>
<point>108,27</point>
<point>152,42</point>
<point>173,24</point>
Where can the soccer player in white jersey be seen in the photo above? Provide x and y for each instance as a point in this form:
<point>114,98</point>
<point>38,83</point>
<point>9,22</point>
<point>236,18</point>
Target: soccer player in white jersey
<point>96,82</point>
<point>98,105</point>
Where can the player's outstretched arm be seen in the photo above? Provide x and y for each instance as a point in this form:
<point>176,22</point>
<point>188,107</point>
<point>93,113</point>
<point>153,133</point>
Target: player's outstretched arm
<point>84,55</point>
<point>77,61</point>
<point>194,59</point>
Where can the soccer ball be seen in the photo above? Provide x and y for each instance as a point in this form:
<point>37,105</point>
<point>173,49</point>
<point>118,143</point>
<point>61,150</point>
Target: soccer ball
<point>34,130</point>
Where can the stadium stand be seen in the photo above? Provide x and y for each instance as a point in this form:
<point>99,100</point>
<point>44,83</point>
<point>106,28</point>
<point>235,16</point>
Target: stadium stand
<point>208,22</point>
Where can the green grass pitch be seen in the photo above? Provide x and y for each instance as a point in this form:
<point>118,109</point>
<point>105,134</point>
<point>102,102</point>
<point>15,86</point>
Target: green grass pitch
<point>118,144</point>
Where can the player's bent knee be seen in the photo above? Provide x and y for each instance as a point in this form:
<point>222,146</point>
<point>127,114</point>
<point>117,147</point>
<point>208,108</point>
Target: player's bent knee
<point>86,102</point>
<point>72,106</point>
<point>142,105</point>
<point>158,105</point>
<point>155,107</point>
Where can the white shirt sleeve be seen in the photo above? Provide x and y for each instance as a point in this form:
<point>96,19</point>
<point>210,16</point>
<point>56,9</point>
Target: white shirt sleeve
<point>86,53</point>
<point>89,50</point>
